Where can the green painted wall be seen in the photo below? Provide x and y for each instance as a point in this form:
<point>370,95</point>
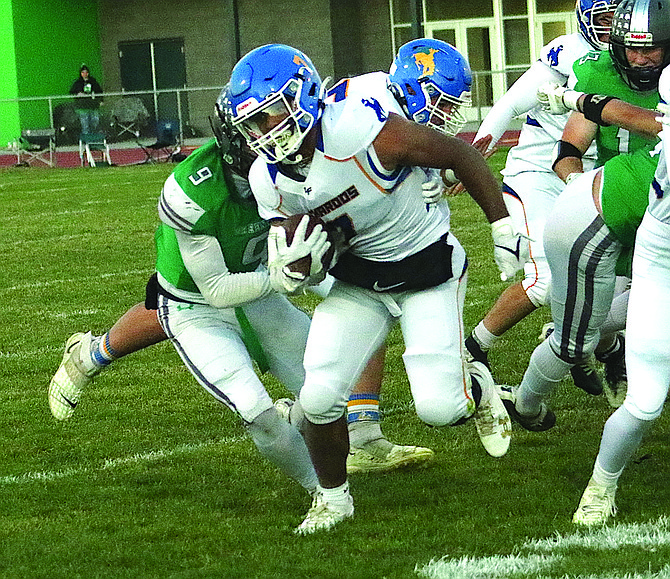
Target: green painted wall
<point>51,40</point>
<point>9,112</point>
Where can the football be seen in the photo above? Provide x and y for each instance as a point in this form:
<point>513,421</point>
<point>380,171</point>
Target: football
<point>304,264</point>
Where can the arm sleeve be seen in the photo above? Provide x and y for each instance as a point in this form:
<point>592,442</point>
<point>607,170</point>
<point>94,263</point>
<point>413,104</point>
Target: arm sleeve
<point>519,99</point>
<point>221,289</point>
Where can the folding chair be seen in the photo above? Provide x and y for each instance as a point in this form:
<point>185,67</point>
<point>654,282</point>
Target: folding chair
<point>37,145</point>
<point>167,145</point>
<point>129,115</point>
<point>94,150</point>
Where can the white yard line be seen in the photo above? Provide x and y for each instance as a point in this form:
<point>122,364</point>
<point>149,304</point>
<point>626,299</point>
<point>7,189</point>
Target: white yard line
<point>542,554</point>
<point>70,280</point>
<point>113,463</point>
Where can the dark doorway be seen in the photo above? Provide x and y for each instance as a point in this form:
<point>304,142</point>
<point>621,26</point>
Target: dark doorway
<point>154,65</point>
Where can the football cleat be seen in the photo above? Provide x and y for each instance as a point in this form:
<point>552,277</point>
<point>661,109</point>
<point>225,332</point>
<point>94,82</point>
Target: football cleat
<point>596,505</point>
<point>493,424</point>
<point>376,458</point>
<point>544,420</point>
<point>71,378</point>
<point>323,516</point>
<point>615,367</point>
<point>584,375</point>
<point>291,411</point>
<point>283,407</point>
<point>475,351</point>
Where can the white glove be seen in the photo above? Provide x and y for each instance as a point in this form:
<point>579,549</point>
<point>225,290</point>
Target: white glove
<point>556,99</point>
<point>433,189</point>
<point>511,249</point>
<point>280,255</point>
<point>449,178</point>
<point>665,113</point>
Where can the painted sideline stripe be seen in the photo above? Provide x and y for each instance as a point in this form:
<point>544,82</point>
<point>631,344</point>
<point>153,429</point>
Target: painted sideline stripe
<point>641,535</point>
<point>650,534</point>
<point>495,567</point>
<point>112,463</point>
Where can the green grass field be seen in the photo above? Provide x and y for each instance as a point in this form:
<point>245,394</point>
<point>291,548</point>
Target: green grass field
<point>151,478</point>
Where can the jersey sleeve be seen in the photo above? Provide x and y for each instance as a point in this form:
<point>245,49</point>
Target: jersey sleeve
<point>519,99</point>
<point>585,73</point>
<point>176,209</point>
<point>263,188</point>
<point>561,53</point>
<point>193,193</point>
<point>355,120</point>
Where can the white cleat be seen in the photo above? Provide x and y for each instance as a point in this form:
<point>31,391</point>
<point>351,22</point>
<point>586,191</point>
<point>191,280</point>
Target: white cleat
<point>376,458</point>
<point>596,506</point>
<point>493,423</point>
<point>70,379</point>
<point>283,407</point>
<point>323,516</point>
<point>291,411</point>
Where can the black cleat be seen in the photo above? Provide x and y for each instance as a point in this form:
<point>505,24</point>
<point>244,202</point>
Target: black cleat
<point>544,420</point>
<point>475,351</point>
<point>585,376</point>
<point>615,366</point>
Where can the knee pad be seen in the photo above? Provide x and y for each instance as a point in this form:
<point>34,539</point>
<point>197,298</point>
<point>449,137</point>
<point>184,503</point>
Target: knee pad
<point>322,404</point>
<point>642,411</point>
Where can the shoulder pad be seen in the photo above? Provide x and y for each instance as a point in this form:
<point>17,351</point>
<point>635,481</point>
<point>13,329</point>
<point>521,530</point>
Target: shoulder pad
<point>351,124</point>
<point>262,182</point>
<point>176,208</point>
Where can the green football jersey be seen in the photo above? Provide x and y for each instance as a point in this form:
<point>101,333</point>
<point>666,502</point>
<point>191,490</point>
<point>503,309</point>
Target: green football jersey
<point>625,192</point>
<point>199,198</point>
<point>595,73</point>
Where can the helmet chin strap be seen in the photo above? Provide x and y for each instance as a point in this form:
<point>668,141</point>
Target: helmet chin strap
<point>292,159</point>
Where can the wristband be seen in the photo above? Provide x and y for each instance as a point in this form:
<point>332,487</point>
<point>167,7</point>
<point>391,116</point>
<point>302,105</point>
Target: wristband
<point>593,106</point>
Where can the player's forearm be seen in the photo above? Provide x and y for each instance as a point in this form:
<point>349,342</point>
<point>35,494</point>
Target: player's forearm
<point>630,117</point>
<point>205,263</point>
<point>567,166</point>
<point>519,99</point>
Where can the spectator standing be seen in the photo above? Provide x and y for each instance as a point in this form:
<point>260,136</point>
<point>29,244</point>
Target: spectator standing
<point>85,88</point>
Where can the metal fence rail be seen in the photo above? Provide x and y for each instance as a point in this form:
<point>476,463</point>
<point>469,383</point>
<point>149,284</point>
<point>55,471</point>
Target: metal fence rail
<point>191,107</point>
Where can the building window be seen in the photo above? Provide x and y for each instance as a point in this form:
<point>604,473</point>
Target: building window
<point>500,38</point>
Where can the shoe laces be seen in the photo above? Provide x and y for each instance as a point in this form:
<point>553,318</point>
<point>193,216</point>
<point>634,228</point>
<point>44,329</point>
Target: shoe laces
<point>597,501</point>
<point>588,366</point>
<point>485,420</point>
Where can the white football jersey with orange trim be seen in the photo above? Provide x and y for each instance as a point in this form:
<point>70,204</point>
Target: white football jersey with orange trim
<point>382,211</point>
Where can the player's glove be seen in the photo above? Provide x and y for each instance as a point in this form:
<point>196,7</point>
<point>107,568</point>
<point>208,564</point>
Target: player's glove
<point>556,99</point>
<point>511,249</point>
<point>433,189</point>
<point>664,109</point>
<point>281,254</point>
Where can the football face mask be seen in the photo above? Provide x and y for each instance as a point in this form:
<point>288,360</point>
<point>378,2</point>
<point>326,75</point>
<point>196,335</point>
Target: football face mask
<point>275,129</point>
<point>442,111</point>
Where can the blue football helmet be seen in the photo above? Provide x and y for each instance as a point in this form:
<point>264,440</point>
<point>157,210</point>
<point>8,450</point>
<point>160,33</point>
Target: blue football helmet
<point>586,11</point>
<point>640,24</point>
<point>275,98</point>
<point>431,80</point>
